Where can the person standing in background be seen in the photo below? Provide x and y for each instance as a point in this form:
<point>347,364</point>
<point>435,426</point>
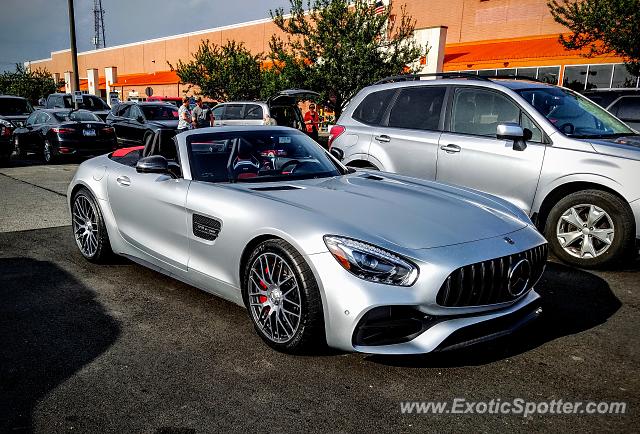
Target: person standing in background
<point>184,116</point>
<point>312,121</point>
<point>201,117</point>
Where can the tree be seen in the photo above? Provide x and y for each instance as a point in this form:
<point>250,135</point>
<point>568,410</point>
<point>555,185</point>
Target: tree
<point>28,84</point>
<point>601,26</point>
<point>224,73</point>
<point>338,47</point>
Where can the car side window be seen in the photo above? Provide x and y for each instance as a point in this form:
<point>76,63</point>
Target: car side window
<point>41,118</point>
<point>627,109</point>
<point>253,112</point>
<point>134,112</point>
<point>123,111</point>
<point>373,106</point>
<point>528,124</point>
<point>479,111</point>
<point>31,119</point>
<point>418,107</point>
<point>218,112</point>
<point>233,112</point>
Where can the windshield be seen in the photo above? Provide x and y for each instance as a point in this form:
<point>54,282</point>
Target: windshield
<point>258,156</point>
<point>79,116</point>
<point>14,107</point>
<point>573,114</point>
<point>88,102</point>
<point>160,112</point>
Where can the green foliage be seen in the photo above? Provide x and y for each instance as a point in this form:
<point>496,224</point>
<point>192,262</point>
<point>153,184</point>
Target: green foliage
<point>601,26</point>
<point>28,84</point>
<point>229,72</point>
<point>337,47</point>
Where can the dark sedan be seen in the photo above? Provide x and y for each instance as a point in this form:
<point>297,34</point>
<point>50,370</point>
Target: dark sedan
<point>13,112</point>
<point>54,134</point>
<point>140,123</point>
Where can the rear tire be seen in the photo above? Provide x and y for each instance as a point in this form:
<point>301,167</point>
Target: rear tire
<point>283,299</point>
<point>47,153</point>
<point>89,230</point>
<point>591,228</point>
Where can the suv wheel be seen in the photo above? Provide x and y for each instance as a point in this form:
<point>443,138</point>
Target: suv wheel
<point>591,228</point>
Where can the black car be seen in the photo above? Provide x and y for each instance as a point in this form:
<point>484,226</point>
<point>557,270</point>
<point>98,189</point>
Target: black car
<point>54,134</point>
<point>622,103</point>
<point>139,123</point>
<point>13,113</point>
<point>89,102</point>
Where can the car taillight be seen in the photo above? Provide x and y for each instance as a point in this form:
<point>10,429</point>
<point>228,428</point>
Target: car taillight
<point>5,131</point>
<point>59,130</point>
<point>108,130</point>
<point>335,132</point>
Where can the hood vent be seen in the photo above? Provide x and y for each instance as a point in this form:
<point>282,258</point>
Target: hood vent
<point>373,177</point>
<point>276,188</point>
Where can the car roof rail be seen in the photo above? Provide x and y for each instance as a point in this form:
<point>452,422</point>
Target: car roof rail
<point>515,77</point>
<point>417,77</point>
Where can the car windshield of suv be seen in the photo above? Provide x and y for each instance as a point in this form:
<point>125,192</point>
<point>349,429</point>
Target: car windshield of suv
<point>89,102</point>
<point>573,114</point>
<point>79,116</point>
<point>163,112</point>
<point>258,156</point>
<point>14,107</point>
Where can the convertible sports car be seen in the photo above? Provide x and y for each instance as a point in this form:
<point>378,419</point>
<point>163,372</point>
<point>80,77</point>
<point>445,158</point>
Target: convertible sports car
<point>318,253</point>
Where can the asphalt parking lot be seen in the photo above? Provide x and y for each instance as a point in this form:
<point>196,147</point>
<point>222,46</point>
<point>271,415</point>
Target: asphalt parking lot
<point>120,348</point>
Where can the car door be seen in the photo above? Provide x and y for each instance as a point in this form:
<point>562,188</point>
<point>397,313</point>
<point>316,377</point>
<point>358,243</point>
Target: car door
<point>233,114</point>
<point>627,109</point>
<point>407,140</point>
<point>120,124</point>
<point>149,210</point>
<point>136,125</point>
<point>26,135</point>
<point>470,154</point>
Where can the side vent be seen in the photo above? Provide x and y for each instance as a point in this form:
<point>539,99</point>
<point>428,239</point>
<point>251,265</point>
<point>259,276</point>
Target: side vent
<point>276,188</point>
<point>205,227</point>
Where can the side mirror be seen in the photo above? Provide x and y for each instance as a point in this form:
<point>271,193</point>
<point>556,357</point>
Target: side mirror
<point>512,131</point>
<point>337,153</point>
<point>153,164</point>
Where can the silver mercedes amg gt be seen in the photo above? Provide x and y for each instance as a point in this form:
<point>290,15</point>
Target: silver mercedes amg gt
<point>317,253</point>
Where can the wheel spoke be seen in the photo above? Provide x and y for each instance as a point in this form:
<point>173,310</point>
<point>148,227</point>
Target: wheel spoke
<point>604,235</point>
<point>572,217</point>
<point>595,214</point>
<point>587,247</point>
<point>568,238</point>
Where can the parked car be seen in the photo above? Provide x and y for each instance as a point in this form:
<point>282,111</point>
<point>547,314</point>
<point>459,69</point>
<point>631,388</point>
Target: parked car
<point>14,110</point>
<point>175,100</point>
<point>282,108</point>
<point>138,123</point>
<point>565,161</point>
<point>622,103</point>
<point>92,103</point>
<point>405,266</point>
<point>60,133</point>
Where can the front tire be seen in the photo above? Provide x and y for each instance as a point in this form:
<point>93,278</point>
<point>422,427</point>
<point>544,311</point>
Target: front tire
<point>18,149</point>
<point>89,229</point>
<point>591,228</point>
<point>283,299</point>
<point>47,153</point>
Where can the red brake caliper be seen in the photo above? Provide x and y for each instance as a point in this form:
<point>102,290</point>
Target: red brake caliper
<point>262,298</point>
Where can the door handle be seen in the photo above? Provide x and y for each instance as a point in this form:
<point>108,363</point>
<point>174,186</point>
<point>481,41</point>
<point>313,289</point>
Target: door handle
<point>451,148</point>
<point>383,138</point>
<point>123,180</point>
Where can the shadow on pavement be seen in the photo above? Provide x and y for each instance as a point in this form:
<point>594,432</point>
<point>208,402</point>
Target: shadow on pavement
<point>43,341</point>
<point>572,301</point>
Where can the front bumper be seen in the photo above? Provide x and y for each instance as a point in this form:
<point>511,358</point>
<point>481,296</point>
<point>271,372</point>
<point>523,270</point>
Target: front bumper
<point>348,299</point>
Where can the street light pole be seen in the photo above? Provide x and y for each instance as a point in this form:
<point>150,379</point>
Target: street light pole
<point>74,50</point>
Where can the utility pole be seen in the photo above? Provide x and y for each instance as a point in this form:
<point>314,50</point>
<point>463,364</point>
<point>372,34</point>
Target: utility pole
<point>74,49</point>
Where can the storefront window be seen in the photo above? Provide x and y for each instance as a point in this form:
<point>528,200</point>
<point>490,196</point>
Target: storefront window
<point>528,72</point>
<point>575,77</point>
<point>549,74</point>
<point>622,78</point>
<point>599,76</point>
<point>487,72</point>
<point>506,72</point>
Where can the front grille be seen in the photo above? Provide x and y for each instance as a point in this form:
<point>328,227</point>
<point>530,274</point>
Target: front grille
<point>486,282</point>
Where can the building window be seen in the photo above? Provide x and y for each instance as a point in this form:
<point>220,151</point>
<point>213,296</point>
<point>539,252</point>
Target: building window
<point>549,74</point>
<point>599,76</point>
<point>622,78</point>
<point>575,77</point>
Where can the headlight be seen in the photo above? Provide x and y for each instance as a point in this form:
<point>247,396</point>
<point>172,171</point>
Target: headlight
<point>371,263</point>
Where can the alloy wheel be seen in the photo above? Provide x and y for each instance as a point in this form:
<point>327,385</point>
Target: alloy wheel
<point>85,226</point>
<point>274,297</point>
<point>47,151</point>
<point>585,231</point>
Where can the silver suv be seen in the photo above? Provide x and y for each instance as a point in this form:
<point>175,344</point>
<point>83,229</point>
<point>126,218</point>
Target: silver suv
<point>571,165</point>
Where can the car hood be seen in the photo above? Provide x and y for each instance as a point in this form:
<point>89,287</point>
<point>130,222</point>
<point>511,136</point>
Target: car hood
<point>165,124</point>
<point>409,213</point>
<point>626,147</point>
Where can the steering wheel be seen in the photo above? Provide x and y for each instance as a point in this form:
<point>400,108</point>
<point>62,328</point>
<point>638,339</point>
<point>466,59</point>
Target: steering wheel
<point>289,163</point>
<point>567,128</point>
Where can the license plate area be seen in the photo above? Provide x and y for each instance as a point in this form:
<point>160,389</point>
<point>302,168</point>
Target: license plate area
<point>89,133</point>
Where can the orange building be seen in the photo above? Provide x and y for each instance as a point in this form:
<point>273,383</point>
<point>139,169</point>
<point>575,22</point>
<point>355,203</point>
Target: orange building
<point>486,37</point>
